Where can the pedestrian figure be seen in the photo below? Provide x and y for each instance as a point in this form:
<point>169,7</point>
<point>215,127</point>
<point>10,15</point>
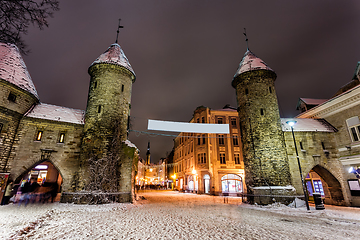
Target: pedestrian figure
<point>8,193</point>
<point>25,190</point>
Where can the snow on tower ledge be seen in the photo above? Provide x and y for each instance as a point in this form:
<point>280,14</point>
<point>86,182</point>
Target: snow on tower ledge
<point>13,68</point>
<point>251,62</point>
<point>115,55</point>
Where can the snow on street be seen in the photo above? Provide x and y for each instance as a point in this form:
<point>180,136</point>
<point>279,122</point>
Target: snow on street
<point>173,215</point>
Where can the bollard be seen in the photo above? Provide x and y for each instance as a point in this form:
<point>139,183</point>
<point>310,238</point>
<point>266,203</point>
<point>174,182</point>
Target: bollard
<point>318,201</point>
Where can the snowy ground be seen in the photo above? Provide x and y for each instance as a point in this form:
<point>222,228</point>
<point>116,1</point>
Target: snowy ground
<point>173,215</point>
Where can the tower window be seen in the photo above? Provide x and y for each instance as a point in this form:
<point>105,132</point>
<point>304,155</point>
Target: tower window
<point>301,146</point>
<point>122,87</point>
<point>12,97</point>
<point>262,112</point>
<point>1,126</point>
<point>62,138</point>
<point>99,109</point>
<point>270,90</point>
<point>246,91</point>
<point>39,135</point>
<point>323,146</point>
<point>95,84</point>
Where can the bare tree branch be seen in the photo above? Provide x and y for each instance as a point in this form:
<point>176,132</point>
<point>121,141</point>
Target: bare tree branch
<point>17,15</point>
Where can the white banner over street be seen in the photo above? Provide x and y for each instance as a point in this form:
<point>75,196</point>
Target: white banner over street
<point>187,127</point>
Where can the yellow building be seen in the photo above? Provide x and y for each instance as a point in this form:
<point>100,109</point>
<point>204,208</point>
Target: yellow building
<point>210,163</point>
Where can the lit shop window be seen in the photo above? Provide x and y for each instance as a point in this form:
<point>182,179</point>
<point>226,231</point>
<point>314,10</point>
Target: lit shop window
<point>354,128</point>
<point>39,135</point>
<point>62,138</point>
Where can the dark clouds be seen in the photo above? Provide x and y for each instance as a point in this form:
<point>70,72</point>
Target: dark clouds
<point>185,53</point>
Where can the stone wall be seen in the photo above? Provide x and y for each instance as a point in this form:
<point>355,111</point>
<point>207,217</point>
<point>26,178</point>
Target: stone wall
<point>26,151</point>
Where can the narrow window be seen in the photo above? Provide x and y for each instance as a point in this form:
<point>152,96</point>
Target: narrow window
<point>1,126</point>
<point>222,158</point>
<point>235,140</point>
<point>237,158</point>
<point>262,112</point>
<point>95,84</point>
<point>61,137</point>
<point>198,140</point>
<point>39,135</point>
<point>203,139</point>
<point>270,90</point>
<point>301,146</point>
<point>12,97</point>
<point>233,122</point>
<point>122,87</point>
<point>219,120</point>
<point>246,91</point>
<point>197,120</point>
<point>323,146</point>
<point>202,120</point>
<point>221,140</point>
<point>354,134</point>
<point>99,109</point>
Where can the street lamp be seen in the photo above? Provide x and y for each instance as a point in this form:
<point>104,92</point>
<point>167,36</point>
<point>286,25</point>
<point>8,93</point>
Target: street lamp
<point>291,124</point>
<point>173,183</point>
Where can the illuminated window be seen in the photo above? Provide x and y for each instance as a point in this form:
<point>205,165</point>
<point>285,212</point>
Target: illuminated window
<point>39,135</point>
<point>62,138</point>
<point>222,158</point>
<point>235,140</point>
<point>237,158</point>
<point>12,97</point>
<point>221,140</point>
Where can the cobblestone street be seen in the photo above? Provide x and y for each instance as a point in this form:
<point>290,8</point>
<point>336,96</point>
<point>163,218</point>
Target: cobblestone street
<point>173,215</point>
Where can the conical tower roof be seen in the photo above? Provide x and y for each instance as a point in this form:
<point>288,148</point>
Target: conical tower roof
<point>114,55</point>
<point>14,70</point>
<point>251,62</point>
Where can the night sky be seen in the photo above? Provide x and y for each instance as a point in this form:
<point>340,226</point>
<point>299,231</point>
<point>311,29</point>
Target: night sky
<point>185,53</point>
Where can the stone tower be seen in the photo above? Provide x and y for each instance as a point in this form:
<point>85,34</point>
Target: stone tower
<point>265,159</point>
<point>106,118</point>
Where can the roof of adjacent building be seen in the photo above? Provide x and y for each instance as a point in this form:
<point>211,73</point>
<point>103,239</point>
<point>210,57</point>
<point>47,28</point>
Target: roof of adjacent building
<point>114,55</point>
<point>307,125</point>
<point>57,113</point>
<point>310,101</point>
<point>251,62</point>
<point>14,70</point>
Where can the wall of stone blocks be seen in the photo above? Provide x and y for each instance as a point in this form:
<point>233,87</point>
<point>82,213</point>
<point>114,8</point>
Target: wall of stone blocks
<point>26,151</point>
<point>314,155</point>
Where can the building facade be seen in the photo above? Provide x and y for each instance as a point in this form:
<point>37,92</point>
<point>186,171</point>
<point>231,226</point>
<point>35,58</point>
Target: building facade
<point>210,163</point>
<point>33,133</point>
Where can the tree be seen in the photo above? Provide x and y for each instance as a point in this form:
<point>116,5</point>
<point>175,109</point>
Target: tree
<point>17,15</point>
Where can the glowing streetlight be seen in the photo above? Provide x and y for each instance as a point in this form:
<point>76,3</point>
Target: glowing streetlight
<point>193,171</point>
<point>291,124</point>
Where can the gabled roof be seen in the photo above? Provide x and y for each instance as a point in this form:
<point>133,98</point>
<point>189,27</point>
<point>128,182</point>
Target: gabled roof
<point>251,62</point>
<point>114,55</point>
<point>57,113</point>
<point>14,70</point>
<point>307,125</point>
<point>310,101</point>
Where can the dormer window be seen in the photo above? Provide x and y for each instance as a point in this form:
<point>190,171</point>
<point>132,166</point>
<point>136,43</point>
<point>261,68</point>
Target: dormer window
<point>12,97</point>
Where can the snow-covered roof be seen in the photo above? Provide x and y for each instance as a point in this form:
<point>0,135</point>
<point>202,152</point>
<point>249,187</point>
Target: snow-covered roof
<point>130,144</point>
<point>307,125</point>
<point>313,101</point>
<point>13,68</point>
<point>114,55</point>
<point>57,113</point>
<point>251,62</point>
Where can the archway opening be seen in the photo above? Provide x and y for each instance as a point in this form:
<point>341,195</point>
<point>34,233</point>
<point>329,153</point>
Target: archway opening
<point>207,183</point>
<point>320,180</point>
<point>42,183</point>
<point>231,183</point>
